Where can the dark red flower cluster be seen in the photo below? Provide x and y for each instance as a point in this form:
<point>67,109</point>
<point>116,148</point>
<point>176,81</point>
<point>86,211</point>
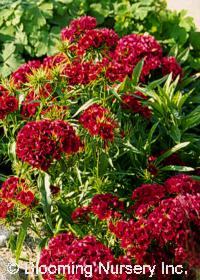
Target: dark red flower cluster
<point>182,184</point>
<point>134,237</point>
<point>97,121</point>
<point>54,60</point>
<point>167,228</point>
<point>32,101</point>
<point>129,51</point>
<point>8,103</point>
<point>170,65</point>
<point>147,195</point>
<point>97,38</point>
<point>122,54</point>
<point>81,73</point>
<point>20,76</point>
<point>104,206</point>
<point>14,190</point>
<point>40,142</point>
<point>134,104</point>
<point>80,213</point>
<point>77,27</point>
<point>94,51</point>
<point>65,249</point>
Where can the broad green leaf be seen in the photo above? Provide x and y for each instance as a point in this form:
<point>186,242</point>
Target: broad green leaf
<point>6,13</point>
<point>46,9</point>
<point>21,37</point>
<point>195,40</point>
<point>171,151</point>
<point>8,50</point>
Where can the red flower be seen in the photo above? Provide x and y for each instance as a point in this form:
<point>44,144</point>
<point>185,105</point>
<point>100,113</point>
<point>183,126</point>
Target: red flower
<point>106,206</point>
<point>170,65</point>
<point>78,27</point>
<point>132,103</point>
<point>39,143</point>
<point>182,184</point>
<point>9,187</point>
<point>25,198</point>
<point>8,104</point>
<point>65,249</point>
<point>96,120</point>
<point>80,213</point>
<point>19,77</point>
<point>13,190</point>
<point>5,207</point>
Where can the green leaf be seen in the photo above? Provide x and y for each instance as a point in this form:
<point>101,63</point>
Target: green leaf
<point>183,56</point>
<point>137,72</point>
<point>195,40</point>
<point>195,63</point>
<point>44,187</point>
<point>21,37</point>
<point>194,177</point>
<point>21,237</point>
<point>175,133</point>
<point>150,135</point>
<point>46,9</point>
<point>174,51</point>
<point>171,151</point>
<point>155,83</point>
<point>8,50</point>
<point>85,106</point>
<point>191,120</point>
<point>132,148</point>
<point>65,211</point>
<point>177,168</point>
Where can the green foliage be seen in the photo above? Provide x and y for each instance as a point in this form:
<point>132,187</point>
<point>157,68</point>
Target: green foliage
<point>31,28</point>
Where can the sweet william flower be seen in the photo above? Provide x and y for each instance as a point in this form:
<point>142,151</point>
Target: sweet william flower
<point>65,249</point>
<point>80,213</point>
<point>41,142</point>
<point>8,104</point>
<point>20,76</point>
<point>5,207</point>
<point>170,65</point>
<point>25,198</point>
<point>97,121</point>
<point>9,187</point>
<point>14,190</point>
<point>182,184</point>
<point>134,104</point>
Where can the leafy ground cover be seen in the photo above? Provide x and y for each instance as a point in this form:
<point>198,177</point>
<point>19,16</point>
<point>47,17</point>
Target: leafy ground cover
<point>103,143</point>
